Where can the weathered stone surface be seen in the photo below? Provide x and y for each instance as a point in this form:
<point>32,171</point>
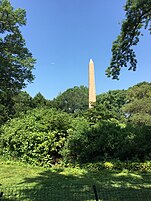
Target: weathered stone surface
<point>92,93</point>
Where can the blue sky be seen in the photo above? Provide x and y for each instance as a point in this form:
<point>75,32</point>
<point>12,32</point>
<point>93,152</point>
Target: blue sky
<point>64,34</point>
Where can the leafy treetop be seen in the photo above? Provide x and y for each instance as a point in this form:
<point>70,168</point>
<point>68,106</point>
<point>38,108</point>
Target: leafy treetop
<point>138,15</point>
<point>16,62</point>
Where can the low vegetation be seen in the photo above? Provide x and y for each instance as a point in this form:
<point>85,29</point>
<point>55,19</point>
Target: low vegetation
<point>68,182</point>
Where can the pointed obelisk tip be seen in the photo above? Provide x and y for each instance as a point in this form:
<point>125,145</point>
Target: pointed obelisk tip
<point>91,61</point>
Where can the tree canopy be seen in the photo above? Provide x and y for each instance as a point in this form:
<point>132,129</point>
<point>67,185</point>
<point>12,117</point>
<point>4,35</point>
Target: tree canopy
<point>16,61</point>
<point>39,100</point>
<point>138,15</point>
<point>22,103</point>
<point>138,104</point>
<point>72,100</point>
<point>118,127</point>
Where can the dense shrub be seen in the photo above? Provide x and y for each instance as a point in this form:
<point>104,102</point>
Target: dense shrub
<point>76,141</point>
<point>37,137</point>
<point>107,140</point>
<point>44,136</point>
<point>92,143</point>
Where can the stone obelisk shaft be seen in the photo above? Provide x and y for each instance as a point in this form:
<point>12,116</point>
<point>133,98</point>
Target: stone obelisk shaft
<point>92,93</point>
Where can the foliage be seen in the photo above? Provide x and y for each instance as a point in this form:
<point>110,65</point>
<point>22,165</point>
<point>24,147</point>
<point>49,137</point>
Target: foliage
<point>98,113</point>
<point>92,143</point>
<point>46,136</point>
<point>138,107</point>
<point>76,140</point>
<point>108,106</point>
<point>5,106</point>
<point>22,103</point>
<point>138,15</point>
<point>36,137</point>
<point>16,62</point>
<point>113,100</point>
<point>39,100</point>
<point>108,140</point>
<point>72,100</point>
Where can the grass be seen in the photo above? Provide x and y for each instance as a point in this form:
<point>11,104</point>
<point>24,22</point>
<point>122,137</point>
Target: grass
<point>21,181</point>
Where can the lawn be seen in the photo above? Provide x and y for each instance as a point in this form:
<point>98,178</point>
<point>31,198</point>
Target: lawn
<point>19,181</point>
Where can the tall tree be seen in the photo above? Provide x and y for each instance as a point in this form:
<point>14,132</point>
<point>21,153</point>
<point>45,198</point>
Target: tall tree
<point>39,100</point>
<point>16,61</point>
<point>22,103</point>
<point>72,100</point>
<point>138,15</point>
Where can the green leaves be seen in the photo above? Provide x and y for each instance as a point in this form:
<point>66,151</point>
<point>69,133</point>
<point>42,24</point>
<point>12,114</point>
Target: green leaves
<point>108,140</point>
<point>138,107</point>
<point>16,61</point>
<point>138,14</point>
<point>37,137</point>
<point>118,127</point>
<point>10,20</point>
<point>72,100</point>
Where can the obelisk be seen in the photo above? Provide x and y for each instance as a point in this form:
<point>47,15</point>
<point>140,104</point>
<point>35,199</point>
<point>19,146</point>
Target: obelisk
<point>92,93</point>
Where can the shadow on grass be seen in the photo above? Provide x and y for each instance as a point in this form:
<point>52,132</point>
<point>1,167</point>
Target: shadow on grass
<point>58,185</point>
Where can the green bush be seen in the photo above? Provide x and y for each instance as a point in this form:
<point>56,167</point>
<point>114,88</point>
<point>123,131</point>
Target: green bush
<point>76,140</point>
<point>107,140</point>
<point>44,136</point>
<point>93,143</point>
<point>37,137</point>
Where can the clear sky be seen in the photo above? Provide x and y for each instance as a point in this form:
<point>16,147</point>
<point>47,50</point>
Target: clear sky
<point>64,34</point>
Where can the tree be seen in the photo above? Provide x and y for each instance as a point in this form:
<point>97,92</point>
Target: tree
<point>39,100</point>
<point>108,106</point>
<point>72,100</point>
<point>16,61</point>
<point>138,15</point>
<point>138,107</point>
<point>22,103</point>
<point>113,100</point>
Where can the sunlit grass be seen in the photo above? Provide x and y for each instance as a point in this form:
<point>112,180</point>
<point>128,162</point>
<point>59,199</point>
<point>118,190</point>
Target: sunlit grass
<point>21,175</point>
<point>12,174</point>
